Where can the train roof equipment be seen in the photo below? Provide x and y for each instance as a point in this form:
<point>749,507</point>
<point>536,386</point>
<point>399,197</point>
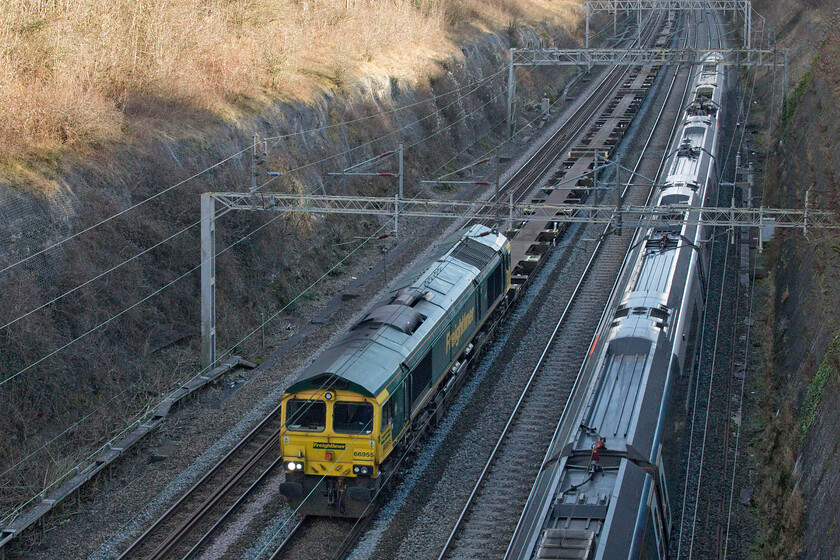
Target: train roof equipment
<point>379,346</point>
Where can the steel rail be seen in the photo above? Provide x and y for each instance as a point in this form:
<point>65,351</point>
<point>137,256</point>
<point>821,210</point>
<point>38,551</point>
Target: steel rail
<point>579,377</point>
<point>281,547</point>
<point>548,345</point>
<point>173,510</point>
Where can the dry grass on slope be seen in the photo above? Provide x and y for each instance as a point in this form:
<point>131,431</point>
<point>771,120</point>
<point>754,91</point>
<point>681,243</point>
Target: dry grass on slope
<point>78,72</point>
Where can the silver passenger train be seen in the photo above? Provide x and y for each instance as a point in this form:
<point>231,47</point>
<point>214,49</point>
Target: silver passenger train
<point>602,491</point>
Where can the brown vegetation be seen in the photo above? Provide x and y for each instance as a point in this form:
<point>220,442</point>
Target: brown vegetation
<point>104,104</point>
<point>777,500</point>
<point>80,72</point>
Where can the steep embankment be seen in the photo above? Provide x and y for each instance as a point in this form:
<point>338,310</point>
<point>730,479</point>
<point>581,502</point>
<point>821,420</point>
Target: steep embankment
<point>80,74</point>
<point>90,362</point>
<point>799,382</point>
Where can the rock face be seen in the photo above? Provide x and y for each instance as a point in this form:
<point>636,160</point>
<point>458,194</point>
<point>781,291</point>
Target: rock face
<point>262,260</point>
<point>807,274</point>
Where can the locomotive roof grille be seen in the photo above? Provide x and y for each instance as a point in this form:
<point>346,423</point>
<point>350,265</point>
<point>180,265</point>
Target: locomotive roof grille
<point>474,253</point>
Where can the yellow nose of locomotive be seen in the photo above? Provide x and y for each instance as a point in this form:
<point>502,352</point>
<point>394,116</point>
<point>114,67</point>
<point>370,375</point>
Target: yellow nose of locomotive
<point>329,434</point>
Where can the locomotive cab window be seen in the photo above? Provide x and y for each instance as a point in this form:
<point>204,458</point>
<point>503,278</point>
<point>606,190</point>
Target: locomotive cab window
<point>308,416</point>
<point>352,418</point>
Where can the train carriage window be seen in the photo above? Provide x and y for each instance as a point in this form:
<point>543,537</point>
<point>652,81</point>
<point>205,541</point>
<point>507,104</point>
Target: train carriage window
<point>306,416</point>
<point>352,418</point>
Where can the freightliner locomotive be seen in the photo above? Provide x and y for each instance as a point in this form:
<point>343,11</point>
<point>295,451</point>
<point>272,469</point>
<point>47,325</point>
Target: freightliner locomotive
<point>348,415</point>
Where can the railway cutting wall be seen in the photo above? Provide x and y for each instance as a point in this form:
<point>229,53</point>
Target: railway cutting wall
<point>796,423</point>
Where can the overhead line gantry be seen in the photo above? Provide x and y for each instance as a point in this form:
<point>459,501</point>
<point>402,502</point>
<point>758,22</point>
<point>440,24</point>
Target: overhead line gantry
<point>744,56</point>
<point>398,206</point>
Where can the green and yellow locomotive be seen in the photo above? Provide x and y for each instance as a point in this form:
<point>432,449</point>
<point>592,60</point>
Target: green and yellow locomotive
<point>390,375</point>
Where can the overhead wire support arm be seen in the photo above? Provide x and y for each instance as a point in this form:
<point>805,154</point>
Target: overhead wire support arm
<point>449,182</point>
<point>575,213</point>
<point>444,180</point>
<point>368,173</point>
<point>352,171</point>
<point>252,200</point>
<point>372,160</point>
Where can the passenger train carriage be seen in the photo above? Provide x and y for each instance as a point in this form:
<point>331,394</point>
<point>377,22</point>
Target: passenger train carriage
<point>602,493</point>
<point>356,404</point>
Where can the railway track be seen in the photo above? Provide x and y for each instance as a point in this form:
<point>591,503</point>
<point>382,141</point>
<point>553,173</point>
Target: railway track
<point>485,525</point>
<point>710,460</point>
<point>701,536</point>
<point>194,518</point>
<point>709,456</point>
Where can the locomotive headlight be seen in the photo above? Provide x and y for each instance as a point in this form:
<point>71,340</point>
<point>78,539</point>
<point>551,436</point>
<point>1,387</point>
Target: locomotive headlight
<point>294,465</point>
<point>362,469</point>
